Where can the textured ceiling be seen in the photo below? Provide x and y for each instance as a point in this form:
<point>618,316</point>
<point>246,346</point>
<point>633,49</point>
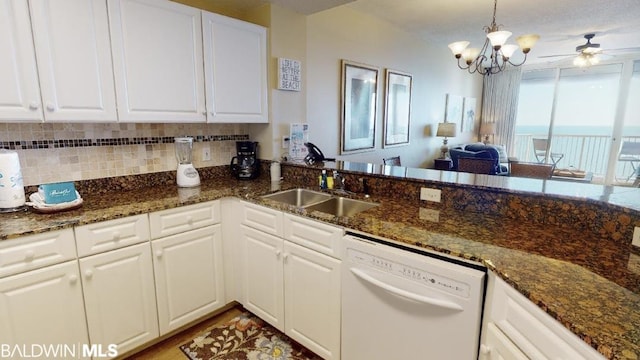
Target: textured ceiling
<point>560,23</point>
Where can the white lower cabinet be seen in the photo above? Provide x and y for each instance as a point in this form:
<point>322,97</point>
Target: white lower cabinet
<point>120,298</point>
<point>292,287</point>
<point>515,328</point>
<point>43,307</point>
<point>189,279</point>
<point>312,299</point>
<point>497,346</point>
<point>263,278</point>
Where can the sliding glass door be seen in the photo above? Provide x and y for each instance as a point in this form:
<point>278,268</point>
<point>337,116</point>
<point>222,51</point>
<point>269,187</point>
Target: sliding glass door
<point>627,158</point>
<point>584,117</point>
<point>579,118</point>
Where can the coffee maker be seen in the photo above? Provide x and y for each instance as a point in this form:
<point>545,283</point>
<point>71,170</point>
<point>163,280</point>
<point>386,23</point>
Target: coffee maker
<point>246,166</point>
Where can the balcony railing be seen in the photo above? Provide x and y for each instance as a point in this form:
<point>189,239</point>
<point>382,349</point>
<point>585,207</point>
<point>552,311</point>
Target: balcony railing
<point>583,152</point>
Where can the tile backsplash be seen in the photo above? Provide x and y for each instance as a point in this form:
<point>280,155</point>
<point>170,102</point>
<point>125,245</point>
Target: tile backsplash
<point>73,151</point>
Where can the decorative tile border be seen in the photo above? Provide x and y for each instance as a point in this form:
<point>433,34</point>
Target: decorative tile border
<point>74,143</point>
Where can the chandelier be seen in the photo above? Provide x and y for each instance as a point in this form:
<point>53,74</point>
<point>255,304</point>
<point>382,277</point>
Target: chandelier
<point>495,54</point>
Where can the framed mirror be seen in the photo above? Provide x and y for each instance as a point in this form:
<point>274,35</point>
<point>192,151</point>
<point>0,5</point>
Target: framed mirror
<point>397,108</point>
<point>359,91</point>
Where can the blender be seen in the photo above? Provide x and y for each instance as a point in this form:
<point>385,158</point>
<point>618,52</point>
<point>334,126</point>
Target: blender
<point>187,175</point>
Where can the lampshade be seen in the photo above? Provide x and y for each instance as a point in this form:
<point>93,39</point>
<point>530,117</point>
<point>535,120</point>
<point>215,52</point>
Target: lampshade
<point>526,42</point>
<point>446,130</point>
<point>487,128</point>
<point>508,50</point>
<point>498,38</point>
<point>458,47</point>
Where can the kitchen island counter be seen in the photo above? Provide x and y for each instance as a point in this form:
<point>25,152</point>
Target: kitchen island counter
<point>587,282</point>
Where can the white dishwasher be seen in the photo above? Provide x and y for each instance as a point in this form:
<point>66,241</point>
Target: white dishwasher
<point>403,303</point>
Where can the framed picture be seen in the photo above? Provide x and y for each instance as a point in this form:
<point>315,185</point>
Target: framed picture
<point>468,114</point>
<point>397,108</point>
<point>453,109</point>
<point>359,91</point>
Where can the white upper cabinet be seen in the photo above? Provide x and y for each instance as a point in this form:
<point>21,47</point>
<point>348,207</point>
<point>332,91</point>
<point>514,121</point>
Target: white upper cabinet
<point>235,56</point>
<point>19,93</point>
<point>158,66</point>
<point>73,53</point>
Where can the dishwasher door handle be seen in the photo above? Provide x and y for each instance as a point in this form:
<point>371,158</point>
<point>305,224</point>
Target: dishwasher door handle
<point>405,294</point>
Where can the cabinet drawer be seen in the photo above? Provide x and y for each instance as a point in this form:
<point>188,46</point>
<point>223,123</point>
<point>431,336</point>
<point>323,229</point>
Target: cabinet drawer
<point>262,218</point>
<point>185,218</point>
<point>312,234</point>
<point>35,251</point>
<point>112,234</point>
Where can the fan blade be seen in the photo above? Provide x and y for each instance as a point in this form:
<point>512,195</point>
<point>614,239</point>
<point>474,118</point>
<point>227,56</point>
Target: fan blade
<point>628,49</point>
<point>557,55</point>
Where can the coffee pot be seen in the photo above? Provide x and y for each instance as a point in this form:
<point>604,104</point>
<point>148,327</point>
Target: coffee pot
<point>245,165</point>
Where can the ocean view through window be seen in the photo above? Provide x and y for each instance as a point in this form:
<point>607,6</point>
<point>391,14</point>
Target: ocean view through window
<point>586,113</point>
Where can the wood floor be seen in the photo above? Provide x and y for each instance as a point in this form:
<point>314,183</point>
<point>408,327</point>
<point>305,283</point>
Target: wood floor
<point>168,348</point>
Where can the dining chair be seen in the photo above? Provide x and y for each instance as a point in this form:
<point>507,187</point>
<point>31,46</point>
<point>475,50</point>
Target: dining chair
<point>630,152</point>
<point>395,161</point>
<point>540,151</point>
<point>531,170</point>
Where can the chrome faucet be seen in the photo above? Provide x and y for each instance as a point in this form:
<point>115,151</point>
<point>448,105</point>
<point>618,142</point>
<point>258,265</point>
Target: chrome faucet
<point>338,181</point>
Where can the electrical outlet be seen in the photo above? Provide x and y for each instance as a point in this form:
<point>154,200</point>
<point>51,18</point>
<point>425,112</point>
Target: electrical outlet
<point>206,153</point>
<point>429,214</point>
<point>285,142</point>
<point>636,237</point>
<point>434,195</point>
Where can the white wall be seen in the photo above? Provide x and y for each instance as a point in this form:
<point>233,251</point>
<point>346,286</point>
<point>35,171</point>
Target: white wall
<point>287,39</point>
<point>343,33</point>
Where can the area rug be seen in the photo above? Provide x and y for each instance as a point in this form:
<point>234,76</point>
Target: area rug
<point>245,337</point>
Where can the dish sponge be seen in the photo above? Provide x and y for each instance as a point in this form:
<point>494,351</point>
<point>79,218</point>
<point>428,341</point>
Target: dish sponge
<point>56,193</point>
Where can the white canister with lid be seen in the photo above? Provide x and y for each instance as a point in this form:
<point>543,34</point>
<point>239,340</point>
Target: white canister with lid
<point>11,185</point>
<point>275,171</point>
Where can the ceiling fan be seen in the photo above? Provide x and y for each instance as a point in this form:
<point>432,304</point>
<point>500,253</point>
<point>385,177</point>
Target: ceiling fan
<point>589,53</point>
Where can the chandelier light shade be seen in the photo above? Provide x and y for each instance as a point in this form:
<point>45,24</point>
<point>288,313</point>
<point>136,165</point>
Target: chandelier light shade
<point>494,56</point>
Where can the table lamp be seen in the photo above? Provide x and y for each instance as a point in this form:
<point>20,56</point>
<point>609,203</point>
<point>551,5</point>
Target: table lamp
<point>445,130</point>
<point>486,129</point>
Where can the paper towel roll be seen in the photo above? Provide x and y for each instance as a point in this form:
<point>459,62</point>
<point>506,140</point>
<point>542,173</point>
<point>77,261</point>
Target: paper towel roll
<point>11,185</point>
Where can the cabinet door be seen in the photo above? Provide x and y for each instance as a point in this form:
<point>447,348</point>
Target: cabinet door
<point>497,346</point>
<point>312,300</point>
<point>263,276</point>
<point>74,59</point>
<point>189,278</point>
<point>43,306</point>
<point>157,60</point>
<point>20,92</point>
<point>120,297</point>
<point>235,54</point>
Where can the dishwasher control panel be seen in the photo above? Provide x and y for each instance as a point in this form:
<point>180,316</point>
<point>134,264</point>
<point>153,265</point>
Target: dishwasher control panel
<point>422,276</point>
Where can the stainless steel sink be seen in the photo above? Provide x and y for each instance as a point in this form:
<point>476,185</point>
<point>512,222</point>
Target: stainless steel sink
<point>298,197</point>
<point>340,206</point>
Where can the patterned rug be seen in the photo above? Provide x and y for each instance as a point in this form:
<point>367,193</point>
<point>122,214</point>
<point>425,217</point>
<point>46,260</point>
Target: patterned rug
<point>245,337</point>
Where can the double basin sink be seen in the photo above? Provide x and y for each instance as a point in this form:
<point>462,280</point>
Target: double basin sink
<point>319,201</point>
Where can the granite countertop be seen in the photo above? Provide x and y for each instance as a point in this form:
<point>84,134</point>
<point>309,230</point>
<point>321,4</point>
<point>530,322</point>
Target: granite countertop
<point>590,285</point>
